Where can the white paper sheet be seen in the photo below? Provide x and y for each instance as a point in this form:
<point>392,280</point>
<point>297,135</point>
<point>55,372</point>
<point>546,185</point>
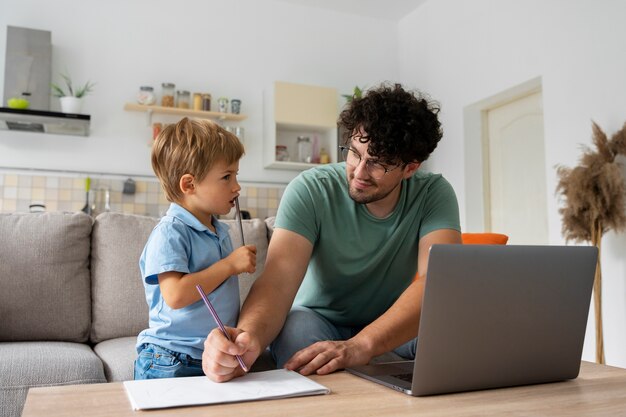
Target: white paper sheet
<point>176,392</point>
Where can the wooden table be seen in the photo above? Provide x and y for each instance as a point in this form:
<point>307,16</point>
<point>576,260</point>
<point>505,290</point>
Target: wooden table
<point>598,391</point>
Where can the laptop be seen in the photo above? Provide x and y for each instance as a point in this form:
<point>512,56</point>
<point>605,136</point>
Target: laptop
<point>496,316</point>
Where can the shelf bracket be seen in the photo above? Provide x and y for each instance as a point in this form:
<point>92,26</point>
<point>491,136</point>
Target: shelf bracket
<point>149,117</point>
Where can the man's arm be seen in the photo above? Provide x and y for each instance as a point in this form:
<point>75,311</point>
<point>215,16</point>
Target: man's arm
<point>265,309</point>
<point>397,325</point>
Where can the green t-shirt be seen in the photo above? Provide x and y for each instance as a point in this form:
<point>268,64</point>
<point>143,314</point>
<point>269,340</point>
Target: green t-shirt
<point>361,264</point>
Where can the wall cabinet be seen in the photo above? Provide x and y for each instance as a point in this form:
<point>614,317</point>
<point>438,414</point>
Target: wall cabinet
<point>292,110</point>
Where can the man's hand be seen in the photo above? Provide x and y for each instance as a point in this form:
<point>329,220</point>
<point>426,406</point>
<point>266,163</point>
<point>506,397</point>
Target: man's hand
<point>328,356</point>
<point>218,359</point>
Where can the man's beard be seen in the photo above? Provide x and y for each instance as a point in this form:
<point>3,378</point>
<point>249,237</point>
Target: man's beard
<point>362,198</point>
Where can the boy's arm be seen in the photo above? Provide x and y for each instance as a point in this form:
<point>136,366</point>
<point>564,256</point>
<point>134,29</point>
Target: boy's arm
<point>179,290</point>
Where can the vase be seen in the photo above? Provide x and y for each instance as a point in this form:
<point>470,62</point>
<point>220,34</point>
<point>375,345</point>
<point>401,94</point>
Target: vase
<point>71,104</point>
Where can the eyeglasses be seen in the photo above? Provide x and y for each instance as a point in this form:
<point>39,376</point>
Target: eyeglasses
<point>375,169</point>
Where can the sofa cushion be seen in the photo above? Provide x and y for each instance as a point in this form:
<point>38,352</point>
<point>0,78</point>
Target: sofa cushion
<point>119,301</point>
<point>254,233</point>
<point>45,286</point>
<point>269,223</point>
<point>119,305</point>
<point>40,364</point>
<point>118,357</point>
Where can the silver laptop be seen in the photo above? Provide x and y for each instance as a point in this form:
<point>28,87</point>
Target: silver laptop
<point>496,316</point>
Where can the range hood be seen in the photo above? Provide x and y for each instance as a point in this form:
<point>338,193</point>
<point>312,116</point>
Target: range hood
<point>27,74</point>
<point>44,121</point>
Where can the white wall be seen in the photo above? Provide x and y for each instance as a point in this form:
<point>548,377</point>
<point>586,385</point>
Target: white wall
<point>462,52</point>
<point>458,51</point>
<point>228,48</point>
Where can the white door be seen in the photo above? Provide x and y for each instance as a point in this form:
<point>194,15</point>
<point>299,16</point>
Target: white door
<point>517,177</point>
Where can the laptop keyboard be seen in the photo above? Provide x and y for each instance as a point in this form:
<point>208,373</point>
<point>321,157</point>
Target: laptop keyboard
<point>404,377</point>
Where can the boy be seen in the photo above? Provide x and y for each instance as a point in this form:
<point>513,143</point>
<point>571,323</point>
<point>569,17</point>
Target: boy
<point>196,162</point>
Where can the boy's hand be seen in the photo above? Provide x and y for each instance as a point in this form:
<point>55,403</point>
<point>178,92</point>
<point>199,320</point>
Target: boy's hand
<point>243,259</point>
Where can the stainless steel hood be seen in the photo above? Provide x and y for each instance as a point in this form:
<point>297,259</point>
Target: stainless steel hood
<point>27,74</point>
<point>44,121</point>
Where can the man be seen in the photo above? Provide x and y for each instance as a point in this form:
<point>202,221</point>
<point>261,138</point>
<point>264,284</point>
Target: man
<point>348,241</point>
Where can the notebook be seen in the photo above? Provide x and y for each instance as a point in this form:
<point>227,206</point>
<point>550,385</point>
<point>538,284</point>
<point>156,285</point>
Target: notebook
<point>199,390</point>
<point>496,316</point>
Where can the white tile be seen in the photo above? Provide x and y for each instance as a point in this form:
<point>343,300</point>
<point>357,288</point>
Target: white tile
<point>24,193</point>
<point>24,181</point>
<point>52,182</point>
<point>52,194</point>
<point>141,198</point>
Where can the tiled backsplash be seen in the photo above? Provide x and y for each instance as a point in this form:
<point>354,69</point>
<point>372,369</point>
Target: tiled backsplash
<point>67,193</point>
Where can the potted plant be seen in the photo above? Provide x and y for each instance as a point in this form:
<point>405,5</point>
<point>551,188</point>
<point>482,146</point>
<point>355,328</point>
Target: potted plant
<point>72,98</point>
<point>356,93</point>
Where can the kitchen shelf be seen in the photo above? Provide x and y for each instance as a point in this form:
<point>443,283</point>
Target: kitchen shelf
<point>183,112</point>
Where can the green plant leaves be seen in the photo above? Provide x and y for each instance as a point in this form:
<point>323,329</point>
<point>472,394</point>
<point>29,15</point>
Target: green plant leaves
<point>79,92</point>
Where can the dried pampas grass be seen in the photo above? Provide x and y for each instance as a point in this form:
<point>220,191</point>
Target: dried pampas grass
<point>595,202</point>
<point>594,191</point>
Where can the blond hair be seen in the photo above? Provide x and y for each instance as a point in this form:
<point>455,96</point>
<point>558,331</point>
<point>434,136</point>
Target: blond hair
<point>191,147</point>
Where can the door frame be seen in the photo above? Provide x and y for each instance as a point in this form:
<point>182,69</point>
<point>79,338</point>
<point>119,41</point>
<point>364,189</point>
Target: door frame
<point>477,195</point>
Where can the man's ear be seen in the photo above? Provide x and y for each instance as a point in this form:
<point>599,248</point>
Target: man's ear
<point>186,184</point>
<point>411,168</point>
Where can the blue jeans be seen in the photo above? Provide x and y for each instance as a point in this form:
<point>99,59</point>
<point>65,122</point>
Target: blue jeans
<point>304,327</point>
<point>156,362</point>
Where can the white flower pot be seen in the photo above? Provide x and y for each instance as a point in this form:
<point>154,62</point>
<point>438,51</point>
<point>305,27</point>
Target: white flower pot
<point>71,104</point>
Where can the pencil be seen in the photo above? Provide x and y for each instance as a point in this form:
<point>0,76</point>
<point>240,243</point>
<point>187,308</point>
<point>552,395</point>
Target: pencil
<point>219,323</point>
<point>243,243</point>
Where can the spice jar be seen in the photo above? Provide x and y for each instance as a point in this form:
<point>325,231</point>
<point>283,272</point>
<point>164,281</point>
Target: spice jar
<point>304,149</point>
<point>167,99</point>
<point>197,101</point>
<point>146,95</point>
<point>206,102</point>
<point>182,99</point>
<point>281,153</point>
<point>324,156</point>
<point>235,106</point>
<point>222,104</point>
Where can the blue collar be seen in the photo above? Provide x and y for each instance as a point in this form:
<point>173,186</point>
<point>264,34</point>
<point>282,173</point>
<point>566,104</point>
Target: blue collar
<point>190,220</point>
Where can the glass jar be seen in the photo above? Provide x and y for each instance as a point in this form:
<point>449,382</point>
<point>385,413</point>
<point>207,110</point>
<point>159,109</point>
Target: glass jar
<point>324,156</point>
<point>206,102</point>
<point>235,106</point>
<point>197,101</point>
<point>167,99</point>
<point>182,99</point>
<point>146,95</point>
<point>304,149</point>
<point>222,104</point>
<point>281,153</point>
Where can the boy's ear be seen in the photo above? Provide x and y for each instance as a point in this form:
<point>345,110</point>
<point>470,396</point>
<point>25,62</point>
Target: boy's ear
<point>186,184</point>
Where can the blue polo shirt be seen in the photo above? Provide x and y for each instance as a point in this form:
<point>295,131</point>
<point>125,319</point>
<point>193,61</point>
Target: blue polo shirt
<point>181,243</point>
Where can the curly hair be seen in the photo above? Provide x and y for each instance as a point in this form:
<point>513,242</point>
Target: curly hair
<point>400,126</point>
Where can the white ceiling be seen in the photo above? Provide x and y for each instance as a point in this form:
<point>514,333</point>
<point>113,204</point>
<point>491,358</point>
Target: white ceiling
<point>381,9</point>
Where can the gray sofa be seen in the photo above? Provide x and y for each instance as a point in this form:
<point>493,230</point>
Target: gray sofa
<point>72,301</point>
